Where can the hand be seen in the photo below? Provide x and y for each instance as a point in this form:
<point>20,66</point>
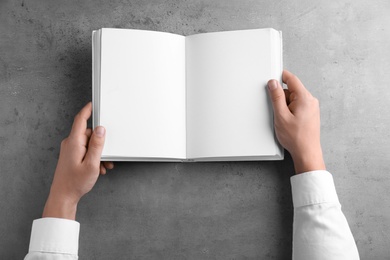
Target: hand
<point>78,167</point>
<point>297,122</point>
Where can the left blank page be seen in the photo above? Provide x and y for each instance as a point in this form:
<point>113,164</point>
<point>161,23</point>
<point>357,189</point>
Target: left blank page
<point>142,94</point>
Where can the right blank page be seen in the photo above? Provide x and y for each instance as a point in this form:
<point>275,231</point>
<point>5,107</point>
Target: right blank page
<point>228,110</point>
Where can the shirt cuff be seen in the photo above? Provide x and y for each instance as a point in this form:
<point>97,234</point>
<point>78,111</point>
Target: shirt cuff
<point>314,187</point>
<point>55,235</point>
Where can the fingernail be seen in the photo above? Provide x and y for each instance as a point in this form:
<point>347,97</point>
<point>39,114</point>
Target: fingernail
<point>272,85</point>
<point>100,131</point>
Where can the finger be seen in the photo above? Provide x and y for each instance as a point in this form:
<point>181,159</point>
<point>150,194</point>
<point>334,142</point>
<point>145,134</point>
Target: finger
<point>278,97</point>
<point>102,169</point>
<point>287,94</point>
<point>82,139</point>
<point>80,121</point>
<point>108,165</point>
<point>95,146</point>
<point>293,83</point>
<point>292,97</point>
<point>88,132</point>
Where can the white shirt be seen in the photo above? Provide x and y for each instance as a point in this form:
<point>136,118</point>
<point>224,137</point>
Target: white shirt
<point>320,229</point>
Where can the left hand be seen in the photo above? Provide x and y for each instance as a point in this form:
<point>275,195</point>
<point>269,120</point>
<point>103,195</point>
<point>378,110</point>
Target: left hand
<point>78,167</point>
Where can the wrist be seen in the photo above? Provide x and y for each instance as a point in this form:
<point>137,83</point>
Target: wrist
<point>311,161</point>
<point>58,206</point>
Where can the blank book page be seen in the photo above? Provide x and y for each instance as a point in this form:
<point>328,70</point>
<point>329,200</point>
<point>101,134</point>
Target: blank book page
<point>228,111</point>
<point>142,101</point>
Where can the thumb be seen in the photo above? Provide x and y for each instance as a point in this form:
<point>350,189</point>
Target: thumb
<point>95,145</point>
<point>278,97</point>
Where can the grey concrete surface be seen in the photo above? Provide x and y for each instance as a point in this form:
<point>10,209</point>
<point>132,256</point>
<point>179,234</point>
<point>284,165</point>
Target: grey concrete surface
<point>232,210</point>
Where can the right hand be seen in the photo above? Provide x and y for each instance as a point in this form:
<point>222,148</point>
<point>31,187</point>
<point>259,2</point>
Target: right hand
<point>297,122</point>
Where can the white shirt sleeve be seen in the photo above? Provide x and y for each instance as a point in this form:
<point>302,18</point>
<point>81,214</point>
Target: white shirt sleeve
<point>320,229</point>
<point>54,239</point>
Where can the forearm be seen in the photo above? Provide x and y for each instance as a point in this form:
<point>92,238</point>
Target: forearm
<point>310,160</point>
<point>59,207</point>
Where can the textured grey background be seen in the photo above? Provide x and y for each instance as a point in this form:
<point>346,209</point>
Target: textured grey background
<point>233,210</point>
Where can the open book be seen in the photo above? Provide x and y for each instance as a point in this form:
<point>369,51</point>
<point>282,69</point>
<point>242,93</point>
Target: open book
<point>168,97</point>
